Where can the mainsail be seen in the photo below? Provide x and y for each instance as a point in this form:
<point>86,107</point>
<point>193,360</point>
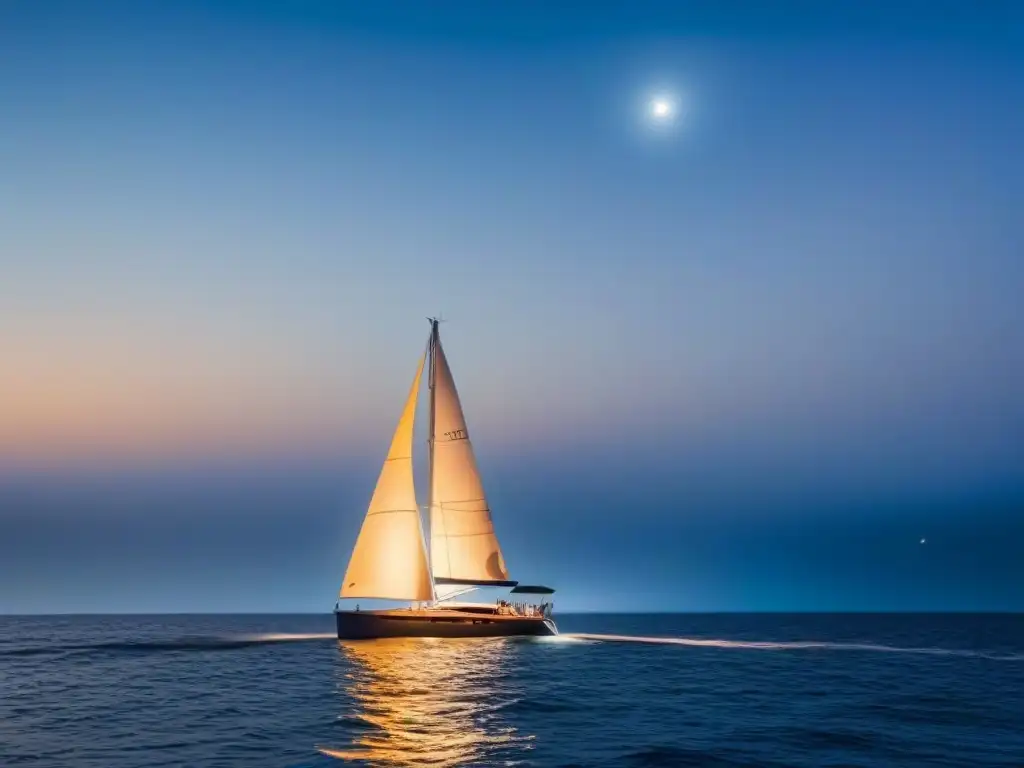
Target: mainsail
<point>463,547</point>
<point>389,560</point>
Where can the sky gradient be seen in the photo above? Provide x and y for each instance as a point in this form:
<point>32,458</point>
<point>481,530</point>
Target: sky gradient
<point>751,360</point>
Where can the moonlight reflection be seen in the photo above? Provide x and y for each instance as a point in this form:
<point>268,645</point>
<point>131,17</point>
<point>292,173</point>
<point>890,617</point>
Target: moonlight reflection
<point>418,702</point>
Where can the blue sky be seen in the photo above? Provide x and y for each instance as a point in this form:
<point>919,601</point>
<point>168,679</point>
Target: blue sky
<point>222,225</point>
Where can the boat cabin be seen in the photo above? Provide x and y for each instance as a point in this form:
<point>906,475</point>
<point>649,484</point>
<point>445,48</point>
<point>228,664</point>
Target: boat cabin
<point>523,601</point>
<point>529,601</point>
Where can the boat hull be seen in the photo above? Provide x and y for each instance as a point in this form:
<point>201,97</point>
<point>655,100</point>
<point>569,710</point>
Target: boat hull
<point>368,625</point>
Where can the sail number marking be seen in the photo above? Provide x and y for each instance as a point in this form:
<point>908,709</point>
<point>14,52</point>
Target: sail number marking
<point>456,434</point>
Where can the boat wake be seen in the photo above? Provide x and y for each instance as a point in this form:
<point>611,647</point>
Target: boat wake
<point>287,637</point>
<point>196,643</point>
<point>796,645</point>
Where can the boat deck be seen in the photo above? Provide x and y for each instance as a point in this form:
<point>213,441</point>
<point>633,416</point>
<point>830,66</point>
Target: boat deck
<point>439,622</point>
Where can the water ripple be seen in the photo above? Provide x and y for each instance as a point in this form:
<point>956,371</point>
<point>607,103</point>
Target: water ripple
<point>206,692</point>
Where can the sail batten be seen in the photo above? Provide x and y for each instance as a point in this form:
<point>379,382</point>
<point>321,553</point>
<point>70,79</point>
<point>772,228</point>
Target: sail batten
<point>389,560</point>
<point>463,544</point>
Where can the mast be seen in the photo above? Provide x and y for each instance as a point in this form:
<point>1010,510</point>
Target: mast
<point>431,350</point>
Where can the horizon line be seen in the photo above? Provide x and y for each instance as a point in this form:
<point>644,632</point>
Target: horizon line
<point>909,612</point>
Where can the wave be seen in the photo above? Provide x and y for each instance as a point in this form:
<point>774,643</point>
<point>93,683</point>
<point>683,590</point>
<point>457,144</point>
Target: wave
<point>796,645</point>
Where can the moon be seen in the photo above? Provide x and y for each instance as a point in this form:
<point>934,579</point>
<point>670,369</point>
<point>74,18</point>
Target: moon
<point>924,541</point>
<point>661,108</point>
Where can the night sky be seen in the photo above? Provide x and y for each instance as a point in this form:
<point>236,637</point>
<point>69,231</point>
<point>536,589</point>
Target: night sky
<point>745,360</point>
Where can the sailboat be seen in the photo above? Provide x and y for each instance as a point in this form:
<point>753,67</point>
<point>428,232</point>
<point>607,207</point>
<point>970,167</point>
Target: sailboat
<point>390,559</point>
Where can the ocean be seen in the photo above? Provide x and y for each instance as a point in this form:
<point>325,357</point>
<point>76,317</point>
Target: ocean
<point>614,690</point>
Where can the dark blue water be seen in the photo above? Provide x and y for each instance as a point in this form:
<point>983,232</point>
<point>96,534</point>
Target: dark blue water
<point>723,690</point>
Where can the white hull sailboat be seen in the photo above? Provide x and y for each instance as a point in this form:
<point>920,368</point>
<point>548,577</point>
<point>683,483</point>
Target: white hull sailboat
<point>390,559</point>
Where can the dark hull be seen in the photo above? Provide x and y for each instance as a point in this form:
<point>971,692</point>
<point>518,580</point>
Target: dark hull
<point>366,625</point>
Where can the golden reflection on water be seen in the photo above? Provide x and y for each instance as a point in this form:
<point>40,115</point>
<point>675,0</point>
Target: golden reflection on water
<point>421,702</point>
